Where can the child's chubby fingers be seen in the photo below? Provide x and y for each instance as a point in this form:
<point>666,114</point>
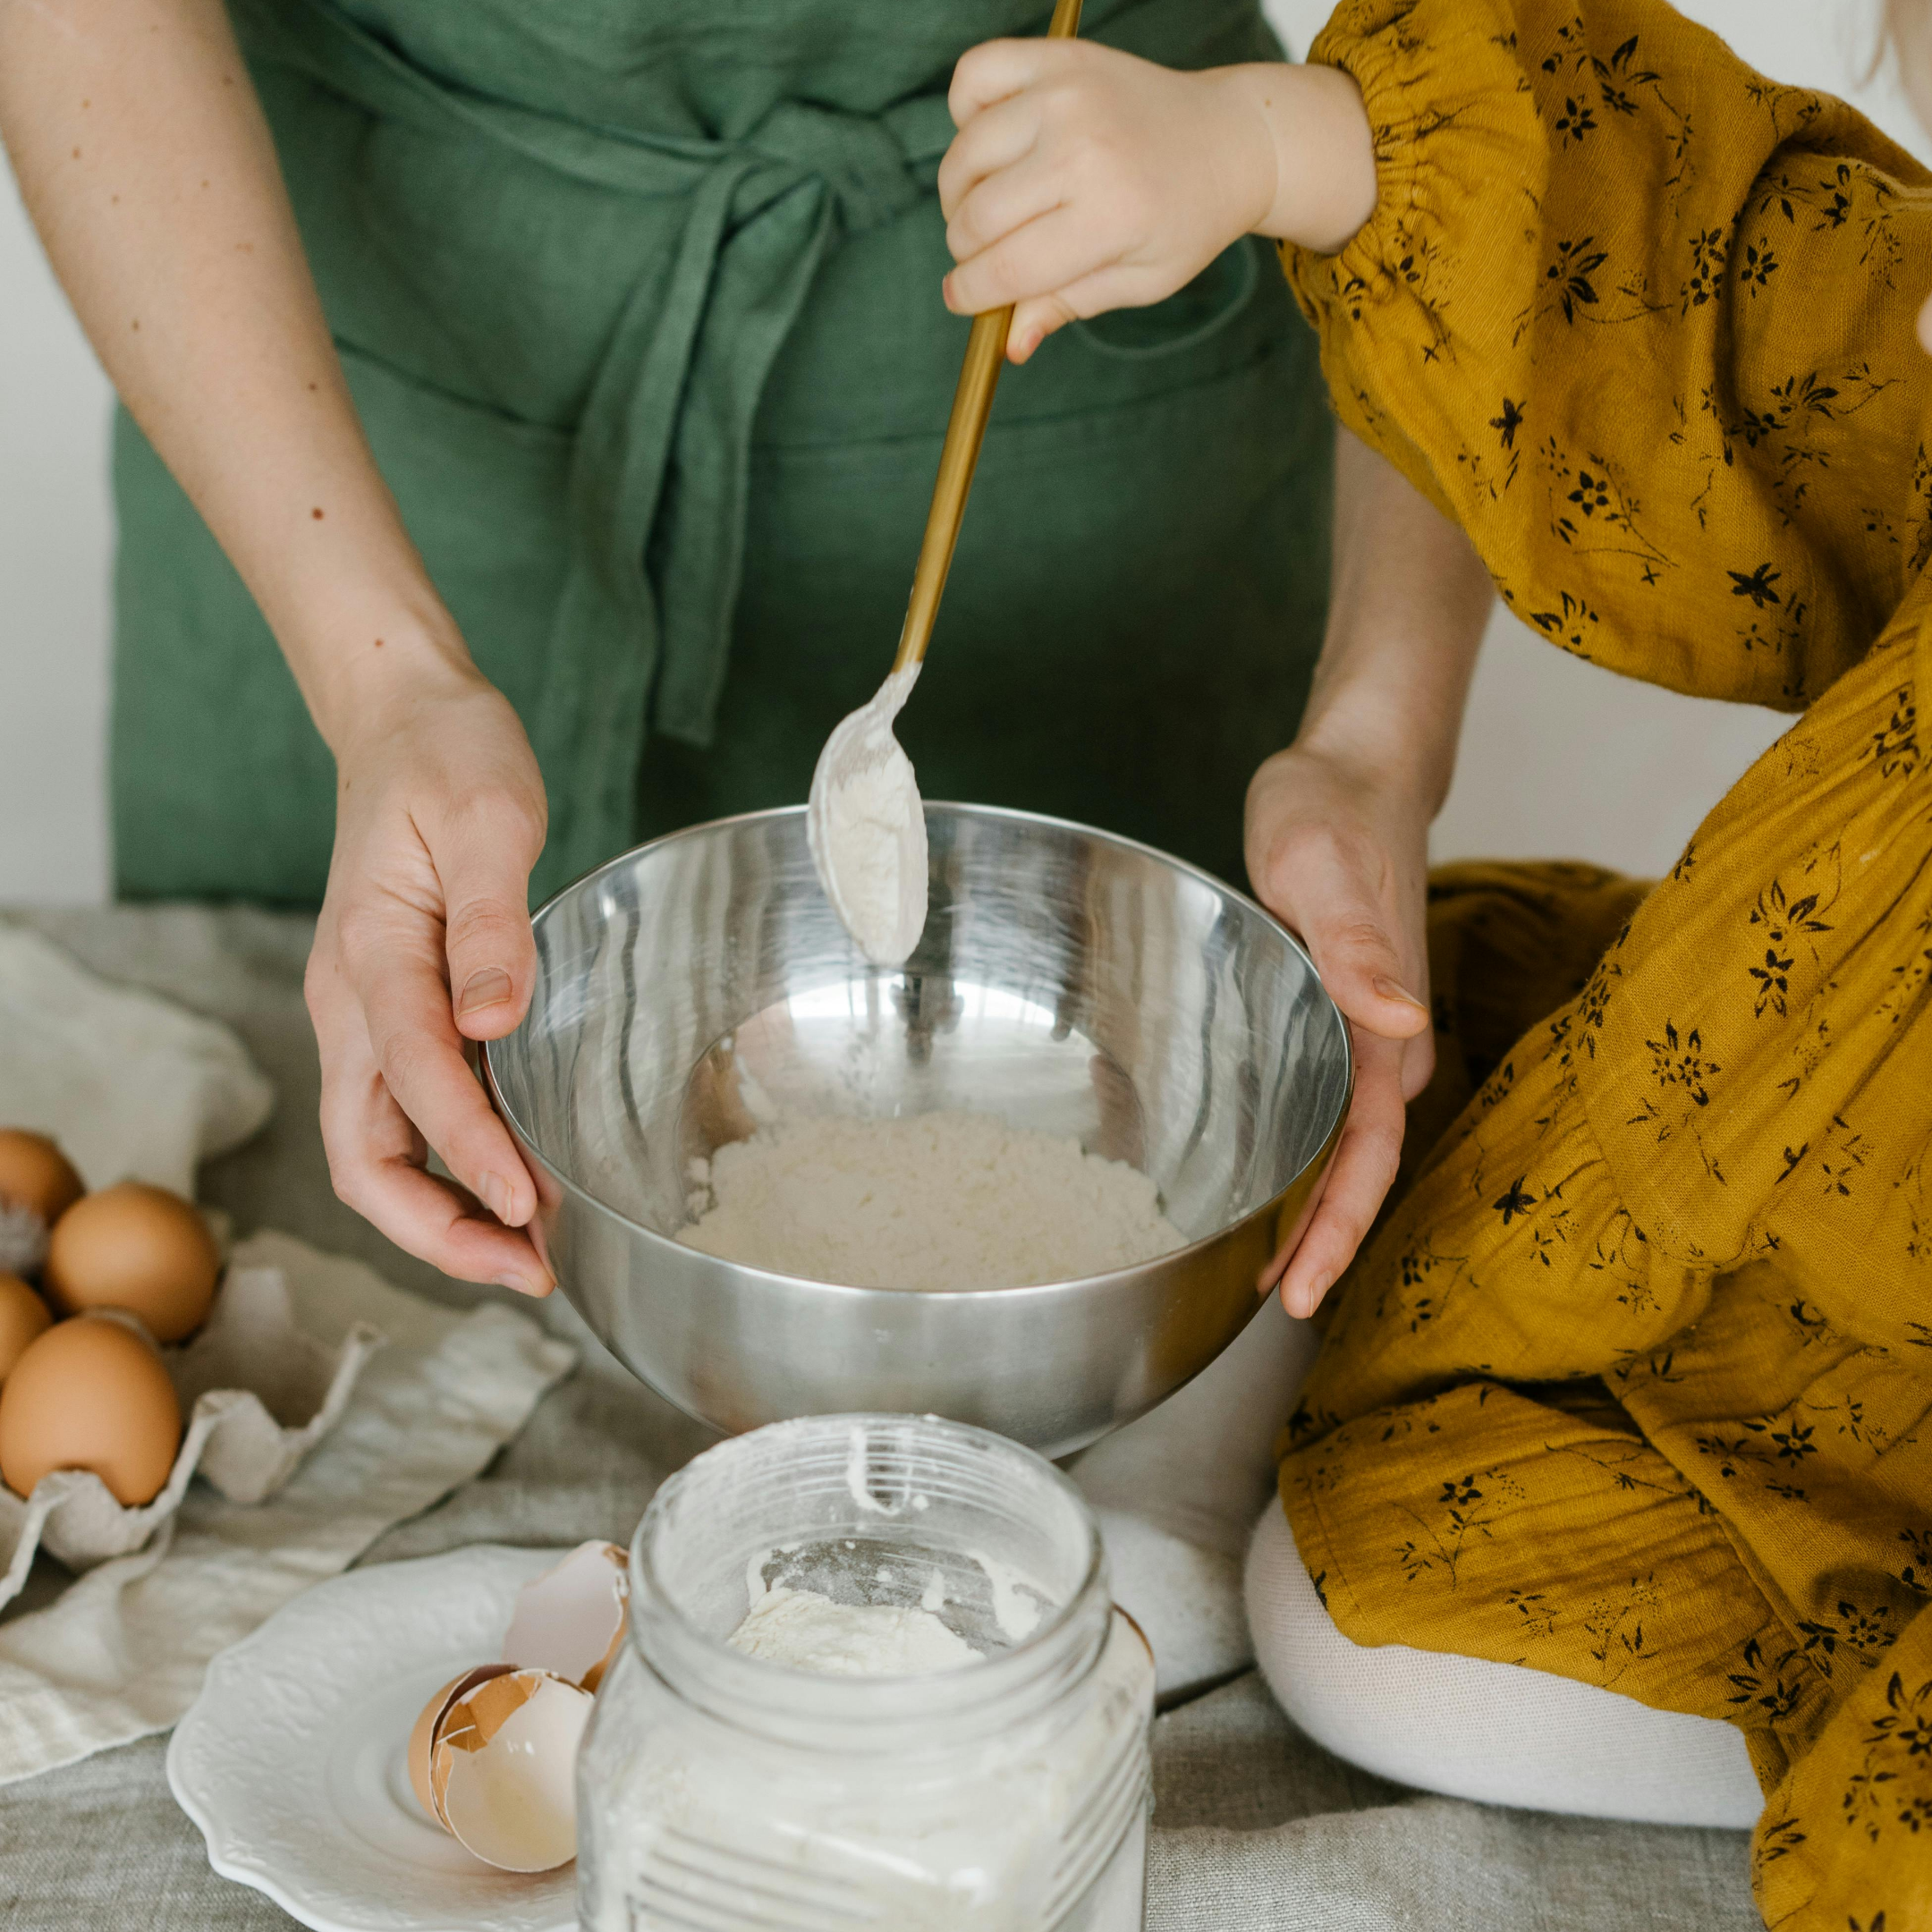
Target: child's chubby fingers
<point>988,148</point>
<point>1002,204</point>
<point>1034,320</point>
<point>1085,179</point>
<point>997,70</point>
<point>1040,316</point>
<point>1052,252</point>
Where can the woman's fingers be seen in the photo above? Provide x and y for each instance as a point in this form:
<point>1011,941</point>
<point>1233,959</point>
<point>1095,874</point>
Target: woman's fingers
<point>1418,1063</point>
<point>1364,1170</point>
<point>1333,883</point>
<point>420,1057</point>
<point>376,1154</point>
<point>484,860</point>
<point>439,816</point>
<point>1361,968</point>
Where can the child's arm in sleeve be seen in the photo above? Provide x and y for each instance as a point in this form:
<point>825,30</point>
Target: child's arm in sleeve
<point>1637,319</point>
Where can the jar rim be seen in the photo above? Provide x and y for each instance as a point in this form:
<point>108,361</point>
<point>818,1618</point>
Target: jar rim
<point>867,1702</point>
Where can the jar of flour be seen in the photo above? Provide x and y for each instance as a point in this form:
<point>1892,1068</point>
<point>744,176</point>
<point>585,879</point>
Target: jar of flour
<point>873,1679</point>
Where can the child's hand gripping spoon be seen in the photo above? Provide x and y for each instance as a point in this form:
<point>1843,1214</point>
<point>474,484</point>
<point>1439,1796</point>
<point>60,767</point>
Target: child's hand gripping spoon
<point>864,820</point>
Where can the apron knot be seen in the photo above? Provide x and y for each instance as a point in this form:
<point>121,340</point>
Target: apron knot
<point>860,158</point>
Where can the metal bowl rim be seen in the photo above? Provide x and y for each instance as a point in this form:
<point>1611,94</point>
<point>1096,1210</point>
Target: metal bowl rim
<point>949,1295</point>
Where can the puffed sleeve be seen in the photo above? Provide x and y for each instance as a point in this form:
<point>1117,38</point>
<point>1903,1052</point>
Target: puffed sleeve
<point>1642,322</point>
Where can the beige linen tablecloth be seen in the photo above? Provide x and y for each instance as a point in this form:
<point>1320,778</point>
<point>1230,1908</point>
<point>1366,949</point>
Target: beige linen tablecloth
<point>1255,1827</point>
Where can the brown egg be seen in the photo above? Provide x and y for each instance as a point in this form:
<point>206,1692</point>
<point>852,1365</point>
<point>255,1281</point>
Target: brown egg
<point>35,1174</point>
<point>23,1317</point>
<point>138,1248</point>
<point>90,1394</point>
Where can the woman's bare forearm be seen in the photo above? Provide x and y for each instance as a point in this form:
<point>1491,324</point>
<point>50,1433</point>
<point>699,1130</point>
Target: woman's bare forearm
<point>1408,605</point>
<point>143,155</point>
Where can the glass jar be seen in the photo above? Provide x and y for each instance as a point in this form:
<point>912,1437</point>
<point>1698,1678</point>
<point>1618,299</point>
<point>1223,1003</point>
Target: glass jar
<point>717,1789</point>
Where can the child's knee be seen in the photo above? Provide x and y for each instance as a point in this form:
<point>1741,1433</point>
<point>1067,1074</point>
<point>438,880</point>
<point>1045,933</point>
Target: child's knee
<point>1469,1727</point>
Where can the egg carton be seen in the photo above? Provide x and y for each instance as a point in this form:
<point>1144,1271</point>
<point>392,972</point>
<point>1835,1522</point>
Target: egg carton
<point>23,1240</point>
<point>258,1395</point>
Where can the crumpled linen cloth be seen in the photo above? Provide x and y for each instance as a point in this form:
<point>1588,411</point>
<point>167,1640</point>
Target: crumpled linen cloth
<point>1255,1829</point>
<point>132,1087</point>
<point>122,1652</point>
<point>394,1401</point>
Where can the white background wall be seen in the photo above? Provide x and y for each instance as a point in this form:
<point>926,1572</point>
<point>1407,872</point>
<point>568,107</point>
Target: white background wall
<point>1557,759</point>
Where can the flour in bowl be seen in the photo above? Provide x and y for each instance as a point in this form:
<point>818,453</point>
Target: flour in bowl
<point>930,1200</point>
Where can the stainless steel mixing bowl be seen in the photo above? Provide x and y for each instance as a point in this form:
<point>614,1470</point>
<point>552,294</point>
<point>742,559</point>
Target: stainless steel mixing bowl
<point>1067,980</point>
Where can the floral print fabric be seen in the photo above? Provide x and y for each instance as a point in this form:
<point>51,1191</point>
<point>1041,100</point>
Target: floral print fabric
<point>1632,1382</point>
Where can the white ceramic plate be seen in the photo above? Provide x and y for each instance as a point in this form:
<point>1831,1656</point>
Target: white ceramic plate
<point>293,1760</point>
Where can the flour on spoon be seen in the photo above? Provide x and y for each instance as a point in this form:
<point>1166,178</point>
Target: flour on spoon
<point>867,828</point>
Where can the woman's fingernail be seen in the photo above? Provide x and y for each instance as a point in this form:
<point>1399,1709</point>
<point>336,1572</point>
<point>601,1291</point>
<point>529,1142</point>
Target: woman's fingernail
<point>1387,988</point>
<point>489,986</point>
<point>1310,1297</point>
<point>495,1193</point>
<point>523,1284</point>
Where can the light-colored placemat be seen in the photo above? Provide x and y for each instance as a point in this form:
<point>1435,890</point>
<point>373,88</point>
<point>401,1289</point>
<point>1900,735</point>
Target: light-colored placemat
<point>1255,1827</point>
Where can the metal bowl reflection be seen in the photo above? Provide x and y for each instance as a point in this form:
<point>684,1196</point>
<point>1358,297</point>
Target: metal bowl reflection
<point>1067,980</point>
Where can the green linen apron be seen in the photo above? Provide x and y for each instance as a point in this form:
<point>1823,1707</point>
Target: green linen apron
<point>640,302</point>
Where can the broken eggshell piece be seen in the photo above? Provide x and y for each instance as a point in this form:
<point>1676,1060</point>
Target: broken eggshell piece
<point>423,1737</point>
<point>493,1756</point>
<point>571,1620</point>
<point>503,1767</point>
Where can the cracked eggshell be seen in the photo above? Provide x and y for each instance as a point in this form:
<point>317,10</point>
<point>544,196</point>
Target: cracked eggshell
<point>571,1619</point>
<point>423,1736</point>
<point>503,1769</point>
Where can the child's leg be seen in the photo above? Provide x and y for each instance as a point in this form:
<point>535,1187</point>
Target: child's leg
<point>1177,1492</point>
<point>1500,1733</point>
<point>1200,1465</point>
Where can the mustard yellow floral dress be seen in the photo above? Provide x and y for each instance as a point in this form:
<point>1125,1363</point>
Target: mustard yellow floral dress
<point>1632,1384</point>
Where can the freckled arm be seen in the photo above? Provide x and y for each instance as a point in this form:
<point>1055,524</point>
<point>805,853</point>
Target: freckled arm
<point>145,160</point>
<point>147,164</point>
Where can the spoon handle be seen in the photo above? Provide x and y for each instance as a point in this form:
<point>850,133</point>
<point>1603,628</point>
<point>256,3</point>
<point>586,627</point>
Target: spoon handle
<point>972,403</point>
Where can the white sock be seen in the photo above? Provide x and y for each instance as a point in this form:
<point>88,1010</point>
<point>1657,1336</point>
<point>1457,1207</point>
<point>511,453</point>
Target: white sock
<point>1499,1733</point>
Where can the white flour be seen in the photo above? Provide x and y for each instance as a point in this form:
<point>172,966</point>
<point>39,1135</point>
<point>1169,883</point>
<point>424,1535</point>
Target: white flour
<point>933,1200</point>
<point>810,1632</point>
<point>871,814</point>
<point>867,828</point>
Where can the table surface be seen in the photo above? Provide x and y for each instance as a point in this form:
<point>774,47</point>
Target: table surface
<point>1254,1824</point>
